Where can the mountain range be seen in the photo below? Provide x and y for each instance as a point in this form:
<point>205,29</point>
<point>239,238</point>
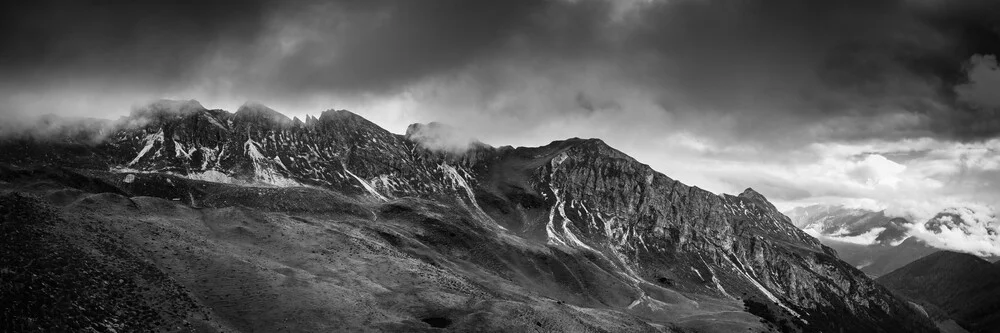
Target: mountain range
<point>878,243</point>
<point>177,217</point>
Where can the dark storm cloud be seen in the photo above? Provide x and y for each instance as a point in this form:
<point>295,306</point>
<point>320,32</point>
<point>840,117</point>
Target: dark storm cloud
<point>141,41</point>
<point>838,69</point>
<point>386,44</point>
<point>285,46</point>
<point>797,63</point>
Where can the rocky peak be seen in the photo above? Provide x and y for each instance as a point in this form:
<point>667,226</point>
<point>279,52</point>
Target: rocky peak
<point>758,198</point>
<point>342,116</point>
<point>348,124</point>
<point>253,113</point>
<point>311,121</point>
<point>416,128</point>
<point>751,194</point>
<point>162,110</point>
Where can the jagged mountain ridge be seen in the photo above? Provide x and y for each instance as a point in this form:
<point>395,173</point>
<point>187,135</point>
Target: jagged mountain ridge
<point>256,144</point>
<point>577,196</point>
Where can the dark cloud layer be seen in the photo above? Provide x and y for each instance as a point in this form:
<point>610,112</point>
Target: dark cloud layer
<point>801,62</point>
<point>836,69</point>
<point>384,45</point>
<point>137,40</point>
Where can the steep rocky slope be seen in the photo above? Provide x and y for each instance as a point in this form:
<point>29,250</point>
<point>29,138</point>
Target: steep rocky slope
<point>571,236</point>
<point>965,287</point>
<point>598,199</point>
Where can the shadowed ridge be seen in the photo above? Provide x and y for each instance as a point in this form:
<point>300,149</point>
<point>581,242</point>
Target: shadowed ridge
<point>253,112</point>
<point>964,286</point>
<point>342,115</point>
<point>167,108</point>
<point>592,146</point>
<point>347,121</point>
<point>751,194</point>
<point>942,261</point>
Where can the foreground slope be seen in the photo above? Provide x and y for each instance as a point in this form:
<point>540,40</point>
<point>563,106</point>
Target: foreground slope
<point>59,276</point>
<point>269,220</point>
<point>965,287</point>
<point>306,259</point>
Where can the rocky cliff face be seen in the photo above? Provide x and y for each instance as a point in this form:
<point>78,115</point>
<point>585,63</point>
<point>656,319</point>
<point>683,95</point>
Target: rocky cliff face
<point>600,200</point>
<point>660,243</point>
<point>257,145</point>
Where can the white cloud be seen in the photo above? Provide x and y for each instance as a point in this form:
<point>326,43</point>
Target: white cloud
<point>976,233</point>
<point>441,137</point>
<point>867,238</point>
<point>874,170</point>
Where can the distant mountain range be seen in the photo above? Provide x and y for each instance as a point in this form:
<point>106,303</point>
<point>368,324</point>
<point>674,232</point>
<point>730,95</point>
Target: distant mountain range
<point>851,225</point>
<point>179,216</point>
<point>877,243</point>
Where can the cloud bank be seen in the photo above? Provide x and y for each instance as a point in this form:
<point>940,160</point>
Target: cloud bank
<point>763,69</point>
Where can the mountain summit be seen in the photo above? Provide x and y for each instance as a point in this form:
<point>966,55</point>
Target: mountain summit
<point>571,236</point>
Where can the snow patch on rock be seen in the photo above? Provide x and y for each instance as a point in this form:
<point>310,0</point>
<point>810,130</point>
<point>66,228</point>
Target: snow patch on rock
<point>150,140</point>
<point>212,176</point>
<point>263,169</point>
<point>459,181</point>
<point>368,187</point>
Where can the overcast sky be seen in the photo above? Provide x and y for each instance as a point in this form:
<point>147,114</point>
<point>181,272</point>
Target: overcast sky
<point>874,103</point>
